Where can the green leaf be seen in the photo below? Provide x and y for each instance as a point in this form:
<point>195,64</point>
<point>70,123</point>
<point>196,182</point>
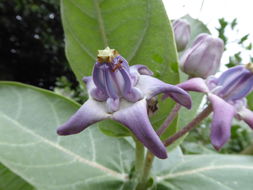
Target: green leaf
<point>114,129</point>
<point>223,22</point>
<point>139,30</point>
<point>244,38</point>
<point>197,27</point>
<point>233,23</point>
<point>30,147</point>
<point>10,181</point>
<point>212,171</point>
<point>249,47</point>
<point>250,101</point>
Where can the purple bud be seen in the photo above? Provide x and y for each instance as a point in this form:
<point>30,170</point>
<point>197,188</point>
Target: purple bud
<point>202,59</point>
<point>235,83</point>
<point>182,32</point>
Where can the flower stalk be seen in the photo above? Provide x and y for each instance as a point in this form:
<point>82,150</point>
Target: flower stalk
<point>146,171</point>
<point>169,119</point>
<point>200,117</point>
<point>139,157</point>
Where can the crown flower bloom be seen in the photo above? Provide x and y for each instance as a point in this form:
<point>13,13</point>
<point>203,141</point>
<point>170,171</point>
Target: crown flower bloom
<point>227,95</point>
<point>202,59</point>
<point>119,92</point>
<point>182,32</point>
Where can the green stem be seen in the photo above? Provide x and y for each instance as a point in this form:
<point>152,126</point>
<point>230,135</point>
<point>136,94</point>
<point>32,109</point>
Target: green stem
<point>194,123</point>
<point>169,119</point>
<point>146,172</point>
<point>139,158</point>
<point>248,150</point>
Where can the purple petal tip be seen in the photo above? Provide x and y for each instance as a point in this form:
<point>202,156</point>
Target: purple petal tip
<point>162,155</point>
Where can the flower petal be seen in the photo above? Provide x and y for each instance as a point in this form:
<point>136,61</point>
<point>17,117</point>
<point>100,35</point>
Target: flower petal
<point>136,119</point>
<point>141,69</point>
<point>194,84</point>
<point>112,105</point>
<point>230,75</point>
<point>223,114</point>
<point>98,94</point>
<point>242,87</point>
<point>130,93</point>
<point>90,112</point>
<point>98,77</point>
<point>151,87</point>
<point>246,115</point>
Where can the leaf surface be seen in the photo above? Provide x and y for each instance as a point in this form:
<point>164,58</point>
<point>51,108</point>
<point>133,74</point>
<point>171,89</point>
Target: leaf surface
<point>213,171</point>
<point>30,147</point>
<point>139,30</point>
<point>10,181</point>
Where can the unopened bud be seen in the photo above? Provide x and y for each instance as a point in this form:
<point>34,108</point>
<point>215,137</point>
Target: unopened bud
<point>203,58</point>
<point>182,32</point>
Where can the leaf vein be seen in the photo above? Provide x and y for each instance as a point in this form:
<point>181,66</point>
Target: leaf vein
<point>203,169</point>
<point>70,153</point>
<point>101,23</point>
<point>85,12</point>
<point>143,34</point>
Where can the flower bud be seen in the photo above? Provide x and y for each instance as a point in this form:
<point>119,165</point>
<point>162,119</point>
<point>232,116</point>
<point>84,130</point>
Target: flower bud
<point>235,83</point>
<point>182,32</point>
<point>202,59</point>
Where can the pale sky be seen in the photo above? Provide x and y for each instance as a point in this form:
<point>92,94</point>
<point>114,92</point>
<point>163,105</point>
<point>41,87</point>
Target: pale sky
<point>209,11</point>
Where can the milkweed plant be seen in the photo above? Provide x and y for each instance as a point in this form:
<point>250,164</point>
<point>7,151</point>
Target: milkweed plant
<point>149,82</point>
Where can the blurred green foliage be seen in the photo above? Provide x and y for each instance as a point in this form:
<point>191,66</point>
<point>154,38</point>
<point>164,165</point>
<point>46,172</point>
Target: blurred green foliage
<point>65,88</point>
<point>242,42</point>
<point>198,140</point>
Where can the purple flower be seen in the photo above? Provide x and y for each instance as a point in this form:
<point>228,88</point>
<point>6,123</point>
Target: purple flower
<point>227,95</point>
<point>182,33</point>
<point>119,92</point>
<point>202,59</point>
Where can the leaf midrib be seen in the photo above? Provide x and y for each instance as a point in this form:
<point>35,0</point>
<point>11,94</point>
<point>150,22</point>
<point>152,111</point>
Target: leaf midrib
<point>93,164</point>
<point>100,23</point>
<point>203,169</point>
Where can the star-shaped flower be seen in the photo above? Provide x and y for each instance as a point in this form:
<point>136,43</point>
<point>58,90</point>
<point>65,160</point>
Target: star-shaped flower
<point>119,92</point>
<point>227,95</point>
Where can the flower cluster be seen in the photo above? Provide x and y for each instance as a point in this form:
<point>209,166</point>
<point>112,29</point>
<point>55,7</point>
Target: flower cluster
<point>121,92</point>
<point>227,95</point>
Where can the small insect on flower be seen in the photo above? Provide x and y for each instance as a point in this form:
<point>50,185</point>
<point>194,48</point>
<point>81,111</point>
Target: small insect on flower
<point>119,92</point>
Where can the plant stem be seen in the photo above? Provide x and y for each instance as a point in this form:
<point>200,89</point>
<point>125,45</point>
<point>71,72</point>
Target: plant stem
<point>146,171</point>
<point>248,150</point>
<point>189,126</point>
<point>147,165</point>
<point>169,119</point>
<point>139,158</point>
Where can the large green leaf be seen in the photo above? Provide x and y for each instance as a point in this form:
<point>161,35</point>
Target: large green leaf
<point>30,147</point>
<point>139,30</point>
<point>10,181</point>
<point>209,172</point>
